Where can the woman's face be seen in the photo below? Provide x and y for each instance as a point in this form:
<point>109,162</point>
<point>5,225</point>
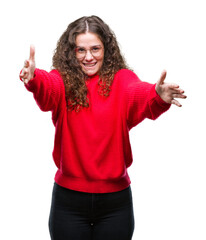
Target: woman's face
<point>89,52</point>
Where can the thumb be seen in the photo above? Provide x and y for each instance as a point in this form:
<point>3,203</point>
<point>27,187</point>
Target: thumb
<point>162,78</point>
<point>32,53</point>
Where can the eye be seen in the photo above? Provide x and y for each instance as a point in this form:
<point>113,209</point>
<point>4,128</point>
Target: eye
<point>80,50</point>
<point>95,49</point>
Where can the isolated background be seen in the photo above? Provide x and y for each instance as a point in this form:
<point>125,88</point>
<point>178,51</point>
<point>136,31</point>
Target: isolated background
<point>168,173</point>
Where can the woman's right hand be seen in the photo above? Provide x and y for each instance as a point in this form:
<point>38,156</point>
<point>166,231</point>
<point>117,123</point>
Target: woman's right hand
<point>27,72</point>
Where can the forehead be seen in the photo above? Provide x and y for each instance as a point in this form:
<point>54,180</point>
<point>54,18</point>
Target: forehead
<point>88,39</point>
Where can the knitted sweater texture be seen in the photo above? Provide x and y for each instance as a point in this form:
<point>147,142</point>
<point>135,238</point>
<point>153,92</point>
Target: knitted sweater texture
<point>91,147</point>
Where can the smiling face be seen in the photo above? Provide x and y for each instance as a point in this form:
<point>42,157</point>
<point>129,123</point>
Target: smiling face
<point>90,53</point>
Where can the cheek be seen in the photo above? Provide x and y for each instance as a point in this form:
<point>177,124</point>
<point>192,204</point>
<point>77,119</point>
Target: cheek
<point>100,64</point>
<point>101,61</point>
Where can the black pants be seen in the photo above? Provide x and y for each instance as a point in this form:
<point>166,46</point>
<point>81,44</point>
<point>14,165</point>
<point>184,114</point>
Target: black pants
<point>91,216</point>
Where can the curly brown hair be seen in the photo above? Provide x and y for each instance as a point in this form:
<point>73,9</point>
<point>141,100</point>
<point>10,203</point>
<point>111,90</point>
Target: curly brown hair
<point>65,61</point>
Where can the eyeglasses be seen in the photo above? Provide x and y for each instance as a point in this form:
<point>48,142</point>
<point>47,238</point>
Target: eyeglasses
<point>96,51</point>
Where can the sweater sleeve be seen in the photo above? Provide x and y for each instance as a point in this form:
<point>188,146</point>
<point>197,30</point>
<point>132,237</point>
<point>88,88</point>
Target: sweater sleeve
<point>48,90</point>
<point>142,101</point>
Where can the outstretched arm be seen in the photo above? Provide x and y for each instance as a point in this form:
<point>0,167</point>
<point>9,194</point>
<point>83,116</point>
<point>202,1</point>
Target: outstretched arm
<point>168,91</point>
<point>47,87</point>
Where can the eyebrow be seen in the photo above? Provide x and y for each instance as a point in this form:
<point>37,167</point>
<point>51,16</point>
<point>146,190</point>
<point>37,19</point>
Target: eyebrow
<point>98,45</point>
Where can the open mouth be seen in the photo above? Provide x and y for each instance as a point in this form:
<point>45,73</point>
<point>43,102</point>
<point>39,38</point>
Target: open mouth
<point>89,65</point>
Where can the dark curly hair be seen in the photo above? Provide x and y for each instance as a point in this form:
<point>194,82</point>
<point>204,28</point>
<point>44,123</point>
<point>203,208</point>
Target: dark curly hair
<point>65,61</point>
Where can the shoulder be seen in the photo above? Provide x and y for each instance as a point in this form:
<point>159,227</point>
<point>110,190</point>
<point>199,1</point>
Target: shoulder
<point>56,73</point>
<point>126,77</point>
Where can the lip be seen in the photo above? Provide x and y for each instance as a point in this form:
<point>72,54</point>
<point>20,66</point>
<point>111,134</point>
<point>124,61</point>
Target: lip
<point>89,65</point>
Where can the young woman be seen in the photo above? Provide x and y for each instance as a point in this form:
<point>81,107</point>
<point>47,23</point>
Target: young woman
<point>95,100</point>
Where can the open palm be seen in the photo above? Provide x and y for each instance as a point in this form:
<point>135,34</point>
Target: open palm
<point>169,91</point>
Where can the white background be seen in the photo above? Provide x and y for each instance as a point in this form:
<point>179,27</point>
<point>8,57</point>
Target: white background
<point>169,170</point>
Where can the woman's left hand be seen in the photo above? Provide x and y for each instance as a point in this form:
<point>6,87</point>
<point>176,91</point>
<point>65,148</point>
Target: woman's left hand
<point>168,91</point>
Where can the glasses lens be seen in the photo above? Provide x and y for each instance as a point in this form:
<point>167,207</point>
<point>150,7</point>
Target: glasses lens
<point>80,52</point>
<point>95,51</point>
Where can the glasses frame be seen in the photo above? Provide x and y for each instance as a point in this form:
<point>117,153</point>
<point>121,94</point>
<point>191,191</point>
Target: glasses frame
<point>94,52</point>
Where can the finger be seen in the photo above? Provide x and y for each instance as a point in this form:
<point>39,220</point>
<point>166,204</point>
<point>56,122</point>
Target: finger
<point>22,74</point>
<point>25,80</point>
<point>173,86</point>
<point>32,53</point>
<point>26,63</point>
<point>175,90</point>
<point>162,78</point>
<point>179,96</point>
<point>175,102</point>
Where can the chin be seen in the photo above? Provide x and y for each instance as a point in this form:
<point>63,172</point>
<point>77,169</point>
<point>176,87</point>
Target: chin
<point>90,72</point>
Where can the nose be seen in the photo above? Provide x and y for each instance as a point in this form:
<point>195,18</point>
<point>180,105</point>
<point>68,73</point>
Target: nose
<point>88,56</point>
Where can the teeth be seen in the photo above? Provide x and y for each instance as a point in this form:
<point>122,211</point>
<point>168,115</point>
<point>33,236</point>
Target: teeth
<point>89,65</point>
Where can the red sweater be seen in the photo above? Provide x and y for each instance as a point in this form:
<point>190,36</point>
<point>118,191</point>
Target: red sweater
<point>92,149</point>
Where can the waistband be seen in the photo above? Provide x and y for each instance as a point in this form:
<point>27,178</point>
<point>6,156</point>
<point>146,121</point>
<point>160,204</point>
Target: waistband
<point>92,186</point>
